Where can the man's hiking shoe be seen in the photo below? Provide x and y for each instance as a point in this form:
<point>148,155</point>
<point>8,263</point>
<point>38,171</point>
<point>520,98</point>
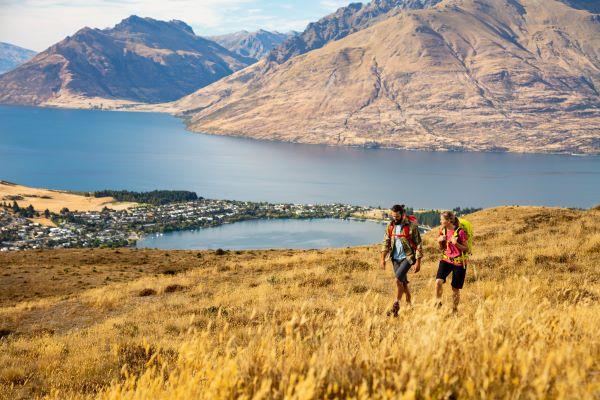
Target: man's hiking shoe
<point>394,311</point>
<point>438,305</point>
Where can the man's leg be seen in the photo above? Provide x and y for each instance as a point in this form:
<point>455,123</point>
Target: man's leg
<point>402,279</point>
<point>400,287</point>
<point>406,292</point>
<point>396,306</point>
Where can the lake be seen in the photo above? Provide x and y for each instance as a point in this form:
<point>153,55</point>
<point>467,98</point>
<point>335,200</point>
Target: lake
<point>273,233</point>
<point>90,150</point>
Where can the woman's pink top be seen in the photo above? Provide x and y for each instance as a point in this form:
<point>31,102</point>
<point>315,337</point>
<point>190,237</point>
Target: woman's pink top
<point>451,250</point>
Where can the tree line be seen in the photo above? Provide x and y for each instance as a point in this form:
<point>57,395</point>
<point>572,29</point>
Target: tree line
<point>432,217</point>
<point>155,197</point>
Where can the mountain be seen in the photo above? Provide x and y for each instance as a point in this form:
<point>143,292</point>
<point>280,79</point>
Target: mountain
<point>12,56</point>
<point>518,75</point>
<point>140,59</point>
<point>255,45</point>
<point>344,21</point>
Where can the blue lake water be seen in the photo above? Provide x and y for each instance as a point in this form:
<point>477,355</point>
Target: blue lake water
<point>274,233</point>
<point>92,150</point>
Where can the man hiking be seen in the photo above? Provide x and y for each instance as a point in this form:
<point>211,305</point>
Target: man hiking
<point>402,241</point>
<point>453,241</point>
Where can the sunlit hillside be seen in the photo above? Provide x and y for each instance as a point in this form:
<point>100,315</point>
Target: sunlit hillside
<point>150,324</point>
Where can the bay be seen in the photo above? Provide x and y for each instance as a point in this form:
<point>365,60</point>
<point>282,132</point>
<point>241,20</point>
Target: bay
<point>271,234</point>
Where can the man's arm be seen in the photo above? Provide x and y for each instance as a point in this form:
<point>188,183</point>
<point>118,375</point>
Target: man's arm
<point>385,246</point>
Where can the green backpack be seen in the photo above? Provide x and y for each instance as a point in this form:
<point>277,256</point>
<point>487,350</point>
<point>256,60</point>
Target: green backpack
<point>467,227</point>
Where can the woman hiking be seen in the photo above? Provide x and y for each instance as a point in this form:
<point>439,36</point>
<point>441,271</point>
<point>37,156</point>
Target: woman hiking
<point>453,241</point>
<point>402,241</point>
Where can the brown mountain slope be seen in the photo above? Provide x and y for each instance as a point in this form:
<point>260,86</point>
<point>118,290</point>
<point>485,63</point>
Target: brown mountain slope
<point>519,75</point>
<point>140,59</point>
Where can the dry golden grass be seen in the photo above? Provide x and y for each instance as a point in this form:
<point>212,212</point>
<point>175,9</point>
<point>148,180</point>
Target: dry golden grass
<point>372,214</point>
<point>56,200</point>
<point>43,221</point>
<point>311,324</point>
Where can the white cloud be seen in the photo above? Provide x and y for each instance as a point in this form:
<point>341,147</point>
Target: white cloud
<point>333,5</point>
<point>37,24</point>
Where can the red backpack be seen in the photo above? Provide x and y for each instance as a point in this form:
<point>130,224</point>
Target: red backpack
<point>405,231</point>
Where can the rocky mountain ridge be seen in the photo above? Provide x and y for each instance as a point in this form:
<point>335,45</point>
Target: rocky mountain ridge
<point>12,56</point>
<point>254,45</point>
<point>341,23</point>
<point>139,60</point>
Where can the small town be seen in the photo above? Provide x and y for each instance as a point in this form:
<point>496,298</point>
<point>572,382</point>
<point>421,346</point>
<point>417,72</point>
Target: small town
<point>112,228</point>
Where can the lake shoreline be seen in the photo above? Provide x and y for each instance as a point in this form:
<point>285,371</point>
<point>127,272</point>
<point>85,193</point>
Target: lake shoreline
<point>19,229</point>
<point>235,236</point>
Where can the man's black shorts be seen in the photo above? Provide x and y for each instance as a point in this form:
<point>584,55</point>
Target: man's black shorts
<point>458,274</point>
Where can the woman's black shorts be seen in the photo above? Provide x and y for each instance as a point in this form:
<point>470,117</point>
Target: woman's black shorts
<point>458,274</point>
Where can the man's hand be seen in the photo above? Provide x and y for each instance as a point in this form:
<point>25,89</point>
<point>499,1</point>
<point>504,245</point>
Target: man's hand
<point>441,239</point>
<point>383,263</point>
<point>418,265</point>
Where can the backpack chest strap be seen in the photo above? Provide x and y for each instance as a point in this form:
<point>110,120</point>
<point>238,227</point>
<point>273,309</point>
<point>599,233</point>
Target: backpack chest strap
<point>405,234</point>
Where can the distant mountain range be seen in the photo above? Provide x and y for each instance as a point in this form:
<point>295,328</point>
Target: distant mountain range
<point>518,75</point>
<point>12,56</point>
<point>139,60</point>
<point>255,45</point>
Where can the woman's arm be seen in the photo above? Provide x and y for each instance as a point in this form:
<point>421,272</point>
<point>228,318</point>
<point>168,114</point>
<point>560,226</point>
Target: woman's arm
<point>460,241</point>
<point>461,247</point>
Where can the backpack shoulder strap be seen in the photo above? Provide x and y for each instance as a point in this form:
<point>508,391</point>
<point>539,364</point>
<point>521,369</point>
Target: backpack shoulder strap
<point>406,234</point>
<point>390,228</point>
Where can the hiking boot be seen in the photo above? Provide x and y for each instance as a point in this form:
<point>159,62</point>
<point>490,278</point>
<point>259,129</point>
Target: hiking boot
<point>438,305</point>
<point>394,311</point>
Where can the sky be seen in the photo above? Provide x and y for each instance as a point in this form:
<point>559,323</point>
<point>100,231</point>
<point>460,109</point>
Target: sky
<point>37,24</point>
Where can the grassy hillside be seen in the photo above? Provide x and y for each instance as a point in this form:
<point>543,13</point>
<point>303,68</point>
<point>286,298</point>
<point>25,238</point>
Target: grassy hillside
<point>309,324</point>
<point>55,200</point>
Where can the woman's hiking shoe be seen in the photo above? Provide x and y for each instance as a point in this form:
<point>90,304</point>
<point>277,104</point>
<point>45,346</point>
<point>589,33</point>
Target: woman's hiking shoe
<point>394,311</point>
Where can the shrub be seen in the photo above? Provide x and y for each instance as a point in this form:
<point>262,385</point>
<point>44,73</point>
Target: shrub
<point>147,292</point>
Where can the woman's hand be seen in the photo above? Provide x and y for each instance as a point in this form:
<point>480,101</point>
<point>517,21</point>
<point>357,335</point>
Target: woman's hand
<point>454,240</point>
